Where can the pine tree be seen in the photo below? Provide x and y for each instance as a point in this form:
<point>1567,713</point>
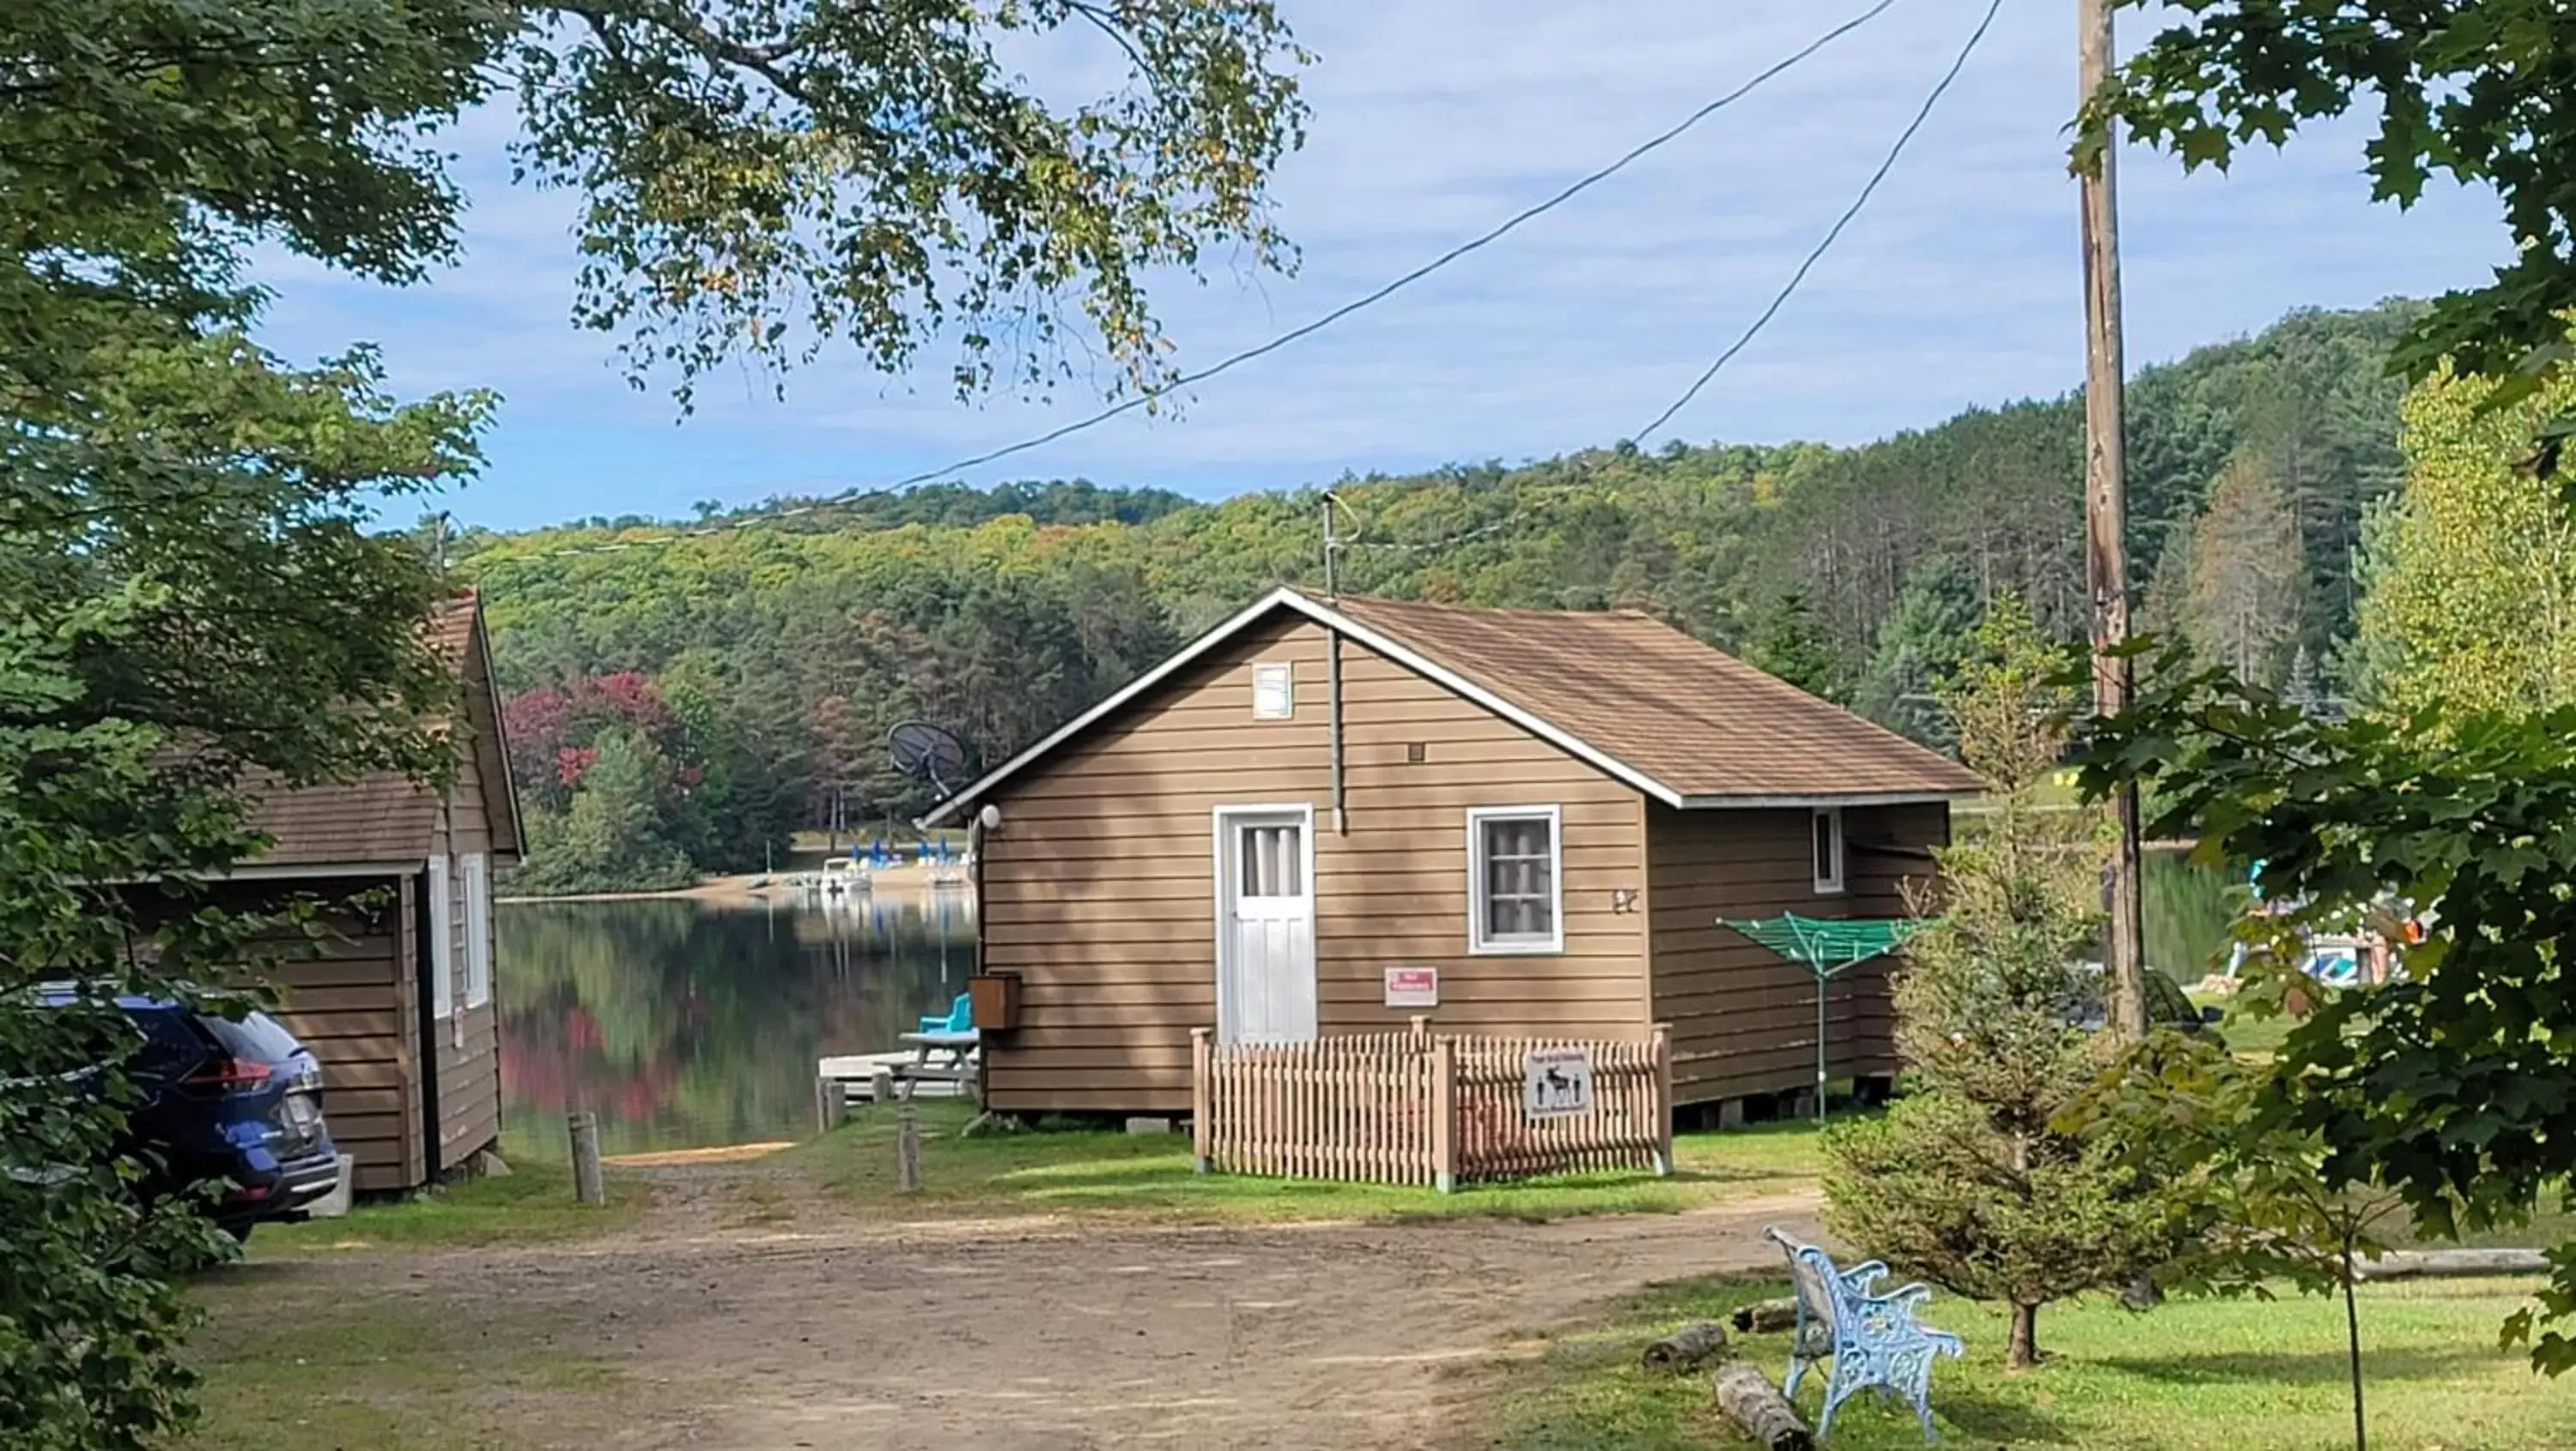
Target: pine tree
<point>2242,607</point>
<point>1973,1181</point>
<point>1792,648</point>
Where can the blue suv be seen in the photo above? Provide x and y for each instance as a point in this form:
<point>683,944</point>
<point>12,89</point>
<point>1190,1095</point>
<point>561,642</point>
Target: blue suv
<point>234,1101</point>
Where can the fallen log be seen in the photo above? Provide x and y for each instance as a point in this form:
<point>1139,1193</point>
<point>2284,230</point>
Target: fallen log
<point>1687,1348</point>
<point>1757,1408</point>
<point>1767,1317</point>
<point>2447,1263</point>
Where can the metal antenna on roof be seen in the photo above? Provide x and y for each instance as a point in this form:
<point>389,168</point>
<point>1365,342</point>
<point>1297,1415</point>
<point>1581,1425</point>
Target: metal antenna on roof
<point>1332,548</point>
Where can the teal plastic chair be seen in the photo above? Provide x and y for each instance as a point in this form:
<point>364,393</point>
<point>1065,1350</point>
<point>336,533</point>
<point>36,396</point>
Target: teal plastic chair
<point>960,1018</point>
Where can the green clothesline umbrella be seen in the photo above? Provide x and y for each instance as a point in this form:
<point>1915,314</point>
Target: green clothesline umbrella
<point>1828,946</point>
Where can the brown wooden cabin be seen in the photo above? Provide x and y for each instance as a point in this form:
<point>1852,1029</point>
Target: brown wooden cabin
<point>1551,809</point>
<point>399,1007</point>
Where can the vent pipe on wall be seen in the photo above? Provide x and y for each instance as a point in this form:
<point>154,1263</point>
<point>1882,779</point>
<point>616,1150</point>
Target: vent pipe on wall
<point>1333,660</point>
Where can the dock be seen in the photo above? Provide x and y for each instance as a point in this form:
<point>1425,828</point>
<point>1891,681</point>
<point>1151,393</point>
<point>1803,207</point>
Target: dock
<point>850,1078</point>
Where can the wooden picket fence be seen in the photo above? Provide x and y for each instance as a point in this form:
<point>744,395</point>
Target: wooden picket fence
<point>1418,1107</point>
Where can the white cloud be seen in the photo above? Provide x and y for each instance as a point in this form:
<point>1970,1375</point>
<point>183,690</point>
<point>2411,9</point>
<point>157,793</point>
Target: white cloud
<point>1433,120</point>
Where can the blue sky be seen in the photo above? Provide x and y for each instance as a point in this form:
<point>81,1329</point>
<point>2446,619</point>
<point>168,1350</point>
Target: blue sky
<point>1434,119</point>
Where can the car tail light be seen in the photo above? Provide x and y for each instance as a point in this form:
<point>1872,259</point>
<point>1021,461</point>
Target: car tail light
<point>229,1075</point>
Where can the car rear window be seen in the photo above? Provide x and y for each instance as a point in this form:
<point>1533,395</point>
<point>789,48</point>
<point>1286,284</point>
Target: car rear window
<point>257,1037</point>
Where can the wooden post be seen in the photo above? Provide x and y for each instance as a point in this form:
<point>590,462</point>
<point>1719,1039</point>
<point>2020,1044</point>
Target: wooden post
<point>1663,1109</point>
<point>589,1183</point>
<point>881,1086</point>
<point>1202,1097</point>
<point>1444,1114</point>
<point>2106,510</point>
<point>831,1103</point>
<point>907,1148</point>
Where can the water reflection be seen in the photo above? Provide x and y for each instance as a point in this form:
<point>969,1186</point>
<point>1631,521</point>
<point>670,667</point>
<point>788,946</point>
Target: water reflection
<point>685,1024</point>
<point>2187,910</point>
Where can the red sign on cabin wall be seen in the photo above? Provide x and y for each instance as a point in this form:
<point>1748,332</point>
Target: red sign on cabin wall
<point>1413,987</point>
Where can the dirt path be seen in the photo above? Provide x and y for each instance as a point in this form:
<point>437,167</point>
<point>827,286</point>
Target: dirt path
<point>797,1326</point>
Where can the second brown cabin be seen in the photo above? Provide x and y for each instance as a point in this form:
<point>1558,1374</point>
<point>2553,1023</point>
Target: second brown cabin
<point>1330,816</point>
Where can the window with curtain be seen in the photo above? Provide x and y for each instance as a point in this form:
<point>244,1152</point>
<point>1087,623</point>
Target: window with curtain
<point>1515,871</point>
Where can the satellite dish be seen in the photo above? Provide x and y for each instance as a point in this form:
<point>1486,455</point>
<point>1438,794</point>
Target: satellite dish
<point>924,750</point>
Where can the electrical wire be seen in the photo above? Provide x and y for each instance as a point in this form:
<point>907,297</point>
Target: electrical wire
<point>1975,38</point>
<point>1473,244</point>
<point>1305,330</point>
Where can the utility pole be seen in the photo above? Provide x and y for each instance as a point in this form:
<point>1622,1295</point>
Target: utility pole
<point>2106,509</point>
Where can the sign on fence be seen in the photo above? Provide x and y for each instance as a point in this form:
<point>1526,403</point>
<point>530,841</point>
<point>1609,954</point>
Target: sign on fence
<point>1413,987</point>
<point>1556,1083</point>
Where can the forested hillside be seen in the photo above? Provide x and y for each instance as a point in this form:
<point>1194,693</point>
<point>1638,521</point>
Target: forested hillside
<point>677,704</point>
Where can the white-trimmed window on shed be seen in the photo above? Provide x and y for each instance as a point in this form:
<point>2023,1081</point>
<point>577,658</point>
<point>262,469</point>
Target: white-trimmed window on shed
<point>1274,692</point>
<point>442,940</point>
<point>1828,833</point>
<point>478,929</point>
<point>1515,879</point>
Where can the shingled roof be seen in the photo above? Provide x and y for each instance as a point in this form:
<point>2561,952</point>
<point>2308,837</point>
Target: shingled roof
<point>1637,690</point>
<point>1684,723</point>
<point>386,817</point>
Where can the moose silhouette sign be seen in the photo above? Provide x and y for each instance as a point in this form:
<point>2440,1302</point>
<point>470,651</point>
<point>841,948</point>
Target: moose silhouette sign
<point>1556,1083</point>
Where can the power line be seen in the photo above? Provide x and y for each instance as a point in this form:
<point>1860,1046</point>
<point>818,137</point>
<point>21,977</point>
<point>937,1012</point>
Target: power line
<point>1426,269</point>
<point>1975,38</point>
<point>1473,244</point>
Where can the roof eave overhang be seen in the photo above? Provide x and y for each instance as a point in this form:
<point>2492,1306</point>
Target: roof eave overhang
<point>1830,798</point>
<point>1324,614</point>
<point>265,871</point>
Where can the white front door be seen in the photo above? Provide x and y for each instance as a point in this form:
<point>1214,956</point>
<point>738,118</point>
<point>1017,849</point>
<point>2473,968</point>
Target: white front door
<point>1265,907</point>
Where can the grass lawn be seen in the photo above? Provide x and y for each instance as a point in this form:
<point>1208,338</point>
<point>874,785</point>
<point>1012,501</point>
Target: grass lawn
<point>531,1205</point>
<point>2246,1376</point>
<point>1150,1177</point>
<point>286,1366</point>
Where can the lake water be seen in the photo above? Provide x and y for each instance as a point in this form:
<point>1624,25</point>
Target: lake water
<point>687,1024</point>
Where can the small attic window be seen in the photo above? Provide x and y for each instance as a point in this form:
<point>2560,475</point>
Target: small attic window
<point>1274,692</point>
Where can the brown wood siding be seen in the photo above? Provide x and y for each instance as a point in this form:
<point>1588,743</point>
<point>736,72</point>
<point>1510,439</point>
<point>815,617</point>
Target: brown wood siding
<point>1744,1021</point>
<point>1099,889</point>
<point>469,1084</point>
<point>466,1038</point>
<point>355,1006</point>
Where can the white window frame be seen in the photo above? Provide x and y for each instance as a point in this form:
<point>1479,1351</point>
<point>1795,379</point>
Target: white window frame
<point>442,940</point>
<point>478,929</point>
<point>1828,885</point>
<point>1287,676</point>
<point>1480,945</point>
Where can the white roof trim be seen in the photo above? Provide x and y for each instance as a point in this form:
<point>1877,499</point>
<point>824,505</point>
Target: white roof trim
<point>1853,798</point>
<point>974,790</point>
<point>1447,679</point>
<point>1332,619</point>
